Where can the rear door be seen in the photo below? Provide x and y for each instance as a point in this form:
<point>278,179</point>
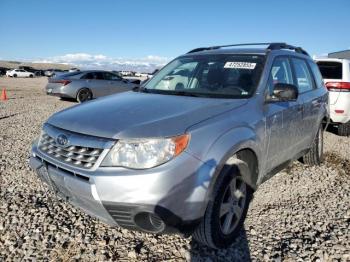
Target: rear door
<point>96,83</point>
<point>312,102</point>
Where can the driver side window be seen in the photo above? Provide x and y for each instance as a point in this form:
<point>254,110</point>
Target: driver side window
<point>110,76</point>
<point>280,73</point>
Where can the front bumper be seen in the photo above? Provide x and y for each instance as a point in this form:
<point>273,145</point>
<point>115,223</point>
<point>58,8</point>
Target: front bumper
<point>174,192</point>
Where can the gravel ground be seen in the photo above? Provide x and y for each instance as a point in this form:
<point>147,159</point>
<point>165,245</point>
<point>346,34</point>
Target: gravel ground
<point>301,214</point>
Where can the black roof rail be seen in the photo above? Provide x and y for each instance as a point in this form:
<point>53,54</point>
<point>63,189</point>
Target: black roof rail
<point>221,46</point>
<point>271,46</point>
<point>278,46</point>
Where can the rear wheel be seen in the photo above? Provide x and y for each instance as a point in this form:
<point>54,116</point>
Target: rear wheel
<point>344,129</point>
<point>225,214</point>
<point>31,76</point>
<point>315,155</point>
<point>84,95</point>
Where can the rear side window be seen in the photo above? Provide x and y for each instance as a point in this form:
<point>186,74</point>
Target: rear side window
<point>72,74</point>
<point>303,75</point>
<point>317,74</point>
<point>94,75</point>
<point>88,76</point>
<point>331,70</point>
<point>99,76</point>
<point>110,76</point>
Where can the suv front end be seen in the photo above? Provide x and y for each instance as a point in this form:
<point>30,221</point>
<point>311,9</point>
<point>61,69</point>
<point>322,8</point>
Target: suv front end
<point>77,167</point>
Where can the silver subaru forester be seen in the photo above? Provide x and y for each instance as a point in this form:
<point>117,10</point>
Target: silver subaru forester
<point>186,151</point>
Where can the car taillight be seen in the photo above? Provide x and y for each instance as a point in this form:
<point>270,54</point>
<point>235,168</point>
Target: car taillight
<point>63,82</point>
<point>338,86</point>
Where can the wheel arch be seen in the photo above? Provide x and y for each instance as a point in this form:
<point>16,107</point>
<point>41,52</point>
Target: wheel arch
<point>244,160</point>
<point>241,149</point>
<point>81,88</point>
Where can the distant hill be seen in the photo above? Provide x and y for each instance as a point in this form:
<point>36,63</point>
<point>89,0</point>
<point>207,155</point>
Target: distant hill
<point>39,66</point>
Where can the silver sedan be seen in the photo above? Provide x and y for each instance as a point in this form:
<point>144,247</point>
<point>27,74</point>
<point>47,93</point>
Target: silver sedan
<point>86,85</point>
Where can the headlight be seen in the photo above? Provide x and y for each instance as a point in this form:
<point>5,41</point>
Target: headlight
<point>145,153</point>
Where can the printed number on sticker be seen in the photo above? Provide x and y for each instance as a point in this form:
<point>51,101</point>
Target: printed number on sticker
<point>240,65</point>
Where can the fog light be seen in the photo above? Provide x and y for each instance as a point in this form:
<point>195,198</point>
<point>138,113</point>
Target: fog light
<point>149,222</point>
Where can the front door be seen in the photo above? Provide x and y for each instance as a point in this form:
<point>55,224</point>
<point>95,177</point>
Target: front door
<point>116,84</point>
<point>282,118</point>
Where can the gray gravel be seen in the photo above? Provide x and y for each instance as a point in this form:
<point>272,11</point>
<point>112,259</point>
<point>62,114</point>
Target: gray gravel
<point>301,214</point>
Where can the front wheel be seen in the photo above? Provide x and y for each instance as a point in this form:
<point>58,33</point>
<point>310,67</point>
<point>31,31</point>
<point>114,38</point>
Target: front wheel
<point>31,76</point>
<point>315,155</point>
<point>84,95</point>
<point>14,75</point>
<point>225,214</point>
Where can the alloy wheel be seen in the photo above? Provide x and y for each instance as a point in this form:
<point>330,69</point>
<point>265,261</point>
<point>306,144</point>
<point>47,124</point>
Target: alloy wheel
<point>232,205</point>
<point>84,95</point>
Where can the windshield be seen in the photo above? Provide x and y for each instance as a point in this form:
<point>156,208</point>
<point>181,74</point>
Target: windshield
<point>223,76</point>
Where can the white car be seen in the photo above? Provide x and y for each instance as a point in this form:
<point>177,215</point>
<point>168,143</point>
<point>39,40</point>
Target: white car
<point>19,73</point>
<point>336,75</point>
<point>74,69</point>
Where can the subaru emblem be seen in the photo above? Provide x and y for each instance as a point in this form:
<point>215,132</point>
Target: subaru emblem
<point>62,140</point>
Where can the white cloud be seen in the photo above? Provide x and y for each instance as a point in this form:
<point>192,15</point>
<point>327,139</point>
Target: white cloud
<point>100,61</point>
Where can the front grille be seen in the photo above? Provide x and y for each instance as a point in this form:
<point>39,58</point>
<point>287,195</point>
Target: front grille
<point>83,157</point>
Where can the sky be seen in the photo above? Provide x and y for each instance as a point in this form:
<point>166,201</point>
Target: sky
<point>141,32</point>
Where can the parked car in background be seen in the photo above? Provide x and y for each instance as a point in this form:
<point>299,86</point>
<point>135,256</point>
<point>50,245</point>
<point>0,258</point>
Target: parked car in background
<point>187,158</point>
<point>36,72</point>
<point>55,72</point>
<point>74,69</point>
<point>153,73</point>
<point>86,85</point>
<point>3,70</point>
<point>19,73</point>
<point>336,75</point>
<point>40,72</point>
<point>143,75</point>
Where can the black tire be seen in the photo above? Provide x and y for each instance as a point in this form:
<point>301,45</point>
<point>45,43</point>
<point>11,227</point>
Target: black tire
<point>210,231</point>
<point>84,95</point>
<point>344,129</point>
<point>30,76</point>
<point>15,75</point>
<point>314,156</point>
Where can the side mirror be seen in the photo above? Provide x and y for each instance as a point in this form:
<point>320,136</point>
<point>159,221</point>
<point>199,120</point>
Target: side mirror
<point>284,92</point>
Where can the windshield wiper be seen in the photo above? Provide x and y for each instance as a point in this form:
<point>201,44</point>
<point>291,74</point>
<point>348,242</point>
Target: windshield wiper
<point>142,89</point>
<point>168,92</point>
<point>184,93</point>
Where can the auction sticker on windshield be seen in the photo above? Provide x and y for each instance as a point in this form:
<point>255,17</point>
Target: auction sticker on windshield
<point>240,65</point>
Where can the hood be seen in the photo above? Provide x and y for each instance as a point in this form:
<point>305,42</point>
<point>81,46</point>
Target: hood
<point>140,115</point>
